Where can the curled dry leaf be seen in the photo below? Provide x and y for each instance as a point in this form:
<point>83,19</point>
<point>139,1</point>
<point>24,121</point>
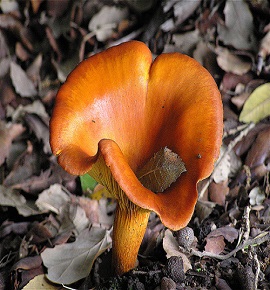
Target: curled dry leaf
<point>230,62</point>
<point>171,248</point>
<point>215,239</point>
<point>228,232</point>
<point>71,214</point>
<point>106,20</point>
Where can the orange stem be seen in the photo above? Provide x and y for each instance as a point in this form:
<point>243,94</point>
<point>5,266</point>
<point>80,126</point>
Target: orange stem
<point>129,227</point>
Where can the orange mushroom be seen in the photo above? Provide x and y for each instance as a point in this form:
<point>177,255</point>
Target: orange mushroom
<point>115,111</point>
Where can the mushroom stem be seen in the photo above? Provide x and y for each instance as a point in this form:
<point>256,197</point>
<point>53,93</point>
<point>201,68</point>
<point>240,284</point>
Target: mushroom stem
<point>129,227</point>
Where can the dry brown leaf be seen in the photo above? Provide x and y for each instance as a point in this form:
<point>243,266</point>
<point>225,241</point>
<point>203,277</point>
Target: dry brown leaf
<point>12,24</point>
<point>260,150</point>
<point>27,165</point>
<point>239,100</point>
<point>71,262</point>
<point>161,170</point>
<point>232,63</point>
<point>22,84</point>
<point>238,28</point>
<point>10,197</point>
<point>8,132</point>
<point>218,192</point>
<point>40,282</point>
<point>106,20</point>
<point>40,129</point>
<point>171,248</point>
<point>228,232</point>
<point>215,244</point>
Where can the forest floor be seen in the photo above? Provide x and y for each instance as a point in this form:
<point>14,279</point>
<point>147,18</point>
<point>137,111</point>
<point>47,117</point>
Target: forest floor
<point>227,242</point>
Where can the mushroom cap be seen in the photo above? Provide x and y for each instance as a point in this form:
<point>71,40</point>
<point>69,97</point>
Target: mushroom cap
<point>121,104</point>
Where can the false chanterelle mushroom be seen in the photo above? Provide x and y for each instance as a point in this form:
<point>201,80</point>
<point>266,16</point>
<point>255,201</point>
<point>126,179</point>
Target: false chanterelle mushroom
<point>115,111</point>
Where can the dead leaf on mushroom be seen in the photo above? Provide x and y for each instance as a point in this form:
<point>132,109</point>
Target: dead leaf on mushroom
<point>161,170</point>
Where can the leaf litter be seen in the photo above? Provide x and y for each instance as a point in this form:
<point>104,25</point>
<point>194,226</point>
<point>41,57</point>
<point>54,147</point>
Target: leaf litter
<point>45,210</point>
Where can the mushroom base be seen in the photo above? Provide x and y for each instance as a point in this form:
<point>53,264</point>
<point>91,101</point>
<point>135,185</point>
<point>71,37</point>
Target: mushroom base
<point>129,228</point>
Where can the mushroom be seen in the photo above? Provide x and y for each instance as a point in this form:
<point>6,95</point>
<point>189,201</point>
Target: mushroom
<point>115,111</point>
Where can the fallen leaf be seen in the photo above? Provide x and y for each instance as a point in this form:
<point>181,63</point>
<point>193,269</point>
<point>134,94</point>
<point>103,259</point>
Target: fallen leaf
<point>238,28</point>
<point>203,209</point>
<point>182,9</point>
<point>4,62</point>
<point>8,132</point>
<point>71,262</point>
<point>257,106</point>
<point>161,170</point>
<point>171,248</point>
<point>223,165</point>
<point>247,141</point>
<point>230,81</point>
<point>186,42</point>
<point>215,244</point>
<point>40,129</point>
<point>11,197</point>
<point>27,165</point>
<point>37,107</point>
<point>41,283</point>
<point>228,232</point>
<point>106,20</point>
<point>260,149</point>
<point>264,49</point>
<point>13,25</point>
<point>52,199</point>
<point>59,201</point>
<point>22,84</point>
<point>240,100</point>
<point>218,192</point>
<point>230,62</point>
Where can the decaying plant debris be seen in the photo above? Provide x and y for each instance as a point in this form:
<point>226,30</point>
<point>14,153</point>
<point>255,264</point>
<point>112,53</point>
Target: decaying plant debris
<point>44,210</point>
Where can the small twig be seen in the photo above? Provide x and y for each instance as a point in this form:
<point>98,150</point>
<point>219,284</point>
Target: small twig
<point>229,148</point>
<point>252,242</point>
<point>258,269</point>
<point>245,229</point>
<point>150,273</point>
